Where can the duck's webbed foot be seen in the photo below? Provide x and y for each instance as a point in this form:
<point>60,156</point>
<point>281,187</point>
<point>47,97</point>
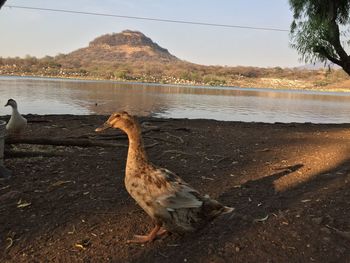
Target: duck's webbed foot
<point>161,232</point>
<point>157,231</point>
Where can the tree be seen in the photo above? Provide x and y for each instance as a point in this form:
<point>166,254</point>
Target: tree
<point>319,30</point>
<point>2,2</point>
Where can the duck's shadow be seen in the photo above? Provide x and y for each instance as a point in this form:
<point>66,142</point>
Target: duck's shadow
<point>255,202</point>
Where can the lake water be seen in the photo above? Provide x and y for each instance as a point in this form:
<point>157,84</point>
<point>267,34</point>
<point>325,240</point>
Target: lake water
<point>57,96</point>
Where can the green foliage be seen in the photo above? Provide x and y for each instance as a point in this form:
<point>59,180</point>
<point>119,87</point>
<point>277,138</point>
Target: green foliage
<point>321,83</point>
<point>315,32</point>
<point>190,76</point>
<point>2,2</point>
<point>121,74</point>
<point>213,80</point>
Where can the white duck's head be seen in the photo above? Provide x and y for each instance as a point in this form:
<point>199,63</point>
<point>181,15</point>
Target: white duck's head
<point>12,103</point>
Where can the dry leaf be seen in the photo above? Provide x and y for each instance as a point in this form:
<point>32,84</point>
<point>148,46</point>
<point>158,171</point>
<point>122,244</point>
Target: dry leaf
<point>10,243</point>
<point>306,200</point>
<point>261,219</point>
<point>61,182</point>
<point>24,204</point>
<point>77,245</point>
<point>207,178</point>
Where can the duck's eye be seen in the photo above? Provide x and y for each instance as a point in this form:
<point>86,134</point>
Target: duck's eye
<point>117,115</point>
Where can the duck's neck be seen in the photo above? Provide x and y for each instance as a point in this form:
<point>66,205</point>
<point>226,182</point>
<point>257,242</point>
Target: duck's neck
<point>15,111</point>
<point>136,154</point>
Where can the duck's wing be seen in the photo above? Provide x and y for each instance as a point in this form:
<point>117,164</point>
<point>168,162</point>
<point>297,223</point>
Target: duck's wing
<point>174,193</point>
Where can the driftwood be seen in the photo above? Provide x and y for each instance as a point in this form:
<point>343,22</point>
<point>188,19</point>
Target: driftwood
<point>153,120</point>
<point>145,131</point>
<point>108,136</point>
<point>177,152</point>
<point>103,137</point>
<point>151,145</point>
<point>182,129</point>
<point>62,142</point>
<point>39,121</point>
<point>176,137</point>
<point>157,139</point>
<point>344,234</point>
<point>92,140</point>
<point>27,154</point>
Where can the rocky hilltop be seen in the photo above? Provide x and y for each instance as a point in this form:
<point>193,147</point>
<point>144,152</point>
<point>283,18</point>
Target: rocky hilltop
<point>119,47</point>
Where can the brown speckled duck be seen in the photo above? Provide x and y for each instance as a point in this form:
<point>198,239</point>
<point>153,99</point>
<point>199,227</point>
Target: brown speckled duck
<point>173,205</point>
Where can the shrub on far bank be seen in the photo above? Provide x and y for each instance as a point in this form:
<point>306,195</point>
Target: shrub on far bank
<point>163,72</point>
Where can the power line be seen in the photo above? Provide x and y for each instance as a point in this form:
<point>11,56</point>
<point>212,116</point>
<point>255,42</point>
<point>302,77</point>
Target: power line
<point>146,18</point>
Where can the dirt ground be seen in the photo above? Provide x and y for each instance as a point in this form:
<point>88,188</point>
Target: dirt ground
<point>289,183</point>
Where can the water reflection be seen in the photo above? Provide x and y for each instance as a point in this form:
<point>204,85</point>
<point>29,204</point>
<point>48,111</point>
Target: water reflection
<point>55,96</point>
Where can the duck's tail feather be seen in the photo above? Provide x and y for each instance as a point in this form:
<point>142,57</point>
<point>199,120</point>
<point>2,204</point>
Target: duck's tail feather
<point>227,210</point>
<point>213,208</point>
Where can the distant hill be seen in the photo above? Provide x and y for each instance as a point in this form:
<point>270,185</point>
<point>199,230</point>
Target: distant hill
<point>132,56</point>
<point>127,46</point>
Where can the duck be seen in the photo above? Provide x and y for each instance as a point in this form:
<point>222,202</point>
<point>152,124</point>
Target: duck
<point>17,123</point>
<point>173,205</point>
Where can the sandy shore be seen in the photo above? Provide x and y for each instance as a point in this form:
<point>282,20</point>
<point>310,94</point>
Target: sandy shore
<point>67,202</point>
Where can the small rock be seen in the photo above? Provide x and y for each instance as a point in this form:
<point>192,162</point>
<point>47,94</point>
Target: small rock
<point>326,230</point>
<point>4,172</point>
<point>9,196</point>
<point>330,220</point>
<point>237,249</point>
<point>317,220</point>
<point>326,239</point>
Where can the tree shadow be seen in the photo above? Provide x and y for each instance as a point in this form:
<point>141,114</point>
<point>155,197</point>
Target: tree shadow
<point>255,201</point>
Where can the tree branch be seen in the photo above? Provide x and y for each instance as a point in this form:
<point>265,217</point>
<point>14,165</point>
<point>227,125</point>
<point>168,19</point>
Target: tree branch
<point>334,34</point>
<point>2,2</point>
<point>324,53</point>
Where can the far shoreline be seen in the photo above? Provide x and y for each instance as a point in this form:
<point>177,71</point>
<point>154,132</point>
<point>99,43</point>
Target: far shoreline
<point>34,118</point>
<point>333,91</point>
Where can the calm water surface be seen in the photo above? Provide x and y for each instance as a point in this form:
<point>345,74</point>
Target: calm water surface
<point>57,96</point>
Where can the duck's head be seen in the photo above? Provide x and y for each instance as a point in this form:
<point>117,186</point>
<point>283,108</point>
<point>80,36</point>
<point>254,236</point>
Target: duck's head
<point>119,120</point>
<point>12,103</point>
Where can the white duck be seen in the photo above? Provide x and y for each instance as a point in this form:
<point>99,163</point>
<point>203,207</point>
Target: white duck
<point>17,123</point>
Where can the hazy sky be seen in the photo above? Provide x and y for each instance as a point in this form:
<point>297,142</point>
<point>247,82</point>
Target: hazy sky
<point>42,33</point>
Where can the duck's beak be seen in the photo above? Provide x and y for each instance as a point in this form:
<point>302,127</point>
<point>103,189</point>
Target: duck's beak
<point>105,126</point>
<point>6,104</point>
